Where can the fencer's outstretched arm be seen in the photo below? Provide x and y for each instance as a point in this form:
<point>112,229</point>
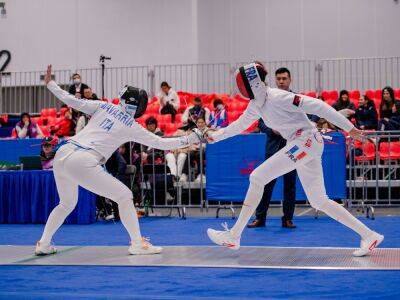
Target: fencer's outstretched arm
<point>317,107</point>
<point>248,117</point>
<point>145,137</point>
<point>88,107</point>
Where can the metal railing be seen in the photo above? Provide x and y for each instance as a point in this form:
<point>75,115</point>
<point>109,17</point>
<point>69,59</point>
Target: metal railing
<point>24,91</point>
<point>374,171</point>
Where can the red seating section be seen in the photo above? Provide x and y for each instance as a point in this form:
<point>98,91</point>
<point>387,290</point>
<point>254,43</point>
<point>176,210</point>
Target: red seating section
<point>389,153</point>
<point>235,105</point>
<point>368,150</point>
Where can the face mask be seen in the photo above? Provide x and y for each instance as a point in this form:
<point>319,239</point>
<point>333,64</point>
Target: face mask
<point>77,81</point>
<point>220,106</point>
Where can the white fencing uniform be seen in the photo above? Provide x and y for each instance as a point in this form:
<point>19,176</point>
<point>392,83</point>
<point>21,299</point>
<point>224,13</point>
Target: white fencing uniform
<point>286,112</point>
<point>79,162</point>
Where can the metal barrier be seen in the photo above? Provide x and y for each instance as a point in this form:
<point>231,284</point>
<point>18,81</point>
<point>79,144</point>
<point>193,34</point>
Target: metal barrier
<point>160,187</point>
<point>24,91</point>
<point>115,79</point>
<point>360,73</point>
<point>374,171</point>
<point>196,78</point>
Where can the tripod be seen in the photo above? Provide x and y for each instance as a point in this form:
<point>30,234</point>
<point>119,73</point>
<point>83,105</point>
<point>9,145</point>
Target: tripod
<point>103,67</point>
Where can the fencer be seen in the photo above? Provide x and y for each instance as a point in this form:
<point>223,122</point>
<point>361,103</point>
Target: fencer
<point>79,162</point>
<point>286,112</point>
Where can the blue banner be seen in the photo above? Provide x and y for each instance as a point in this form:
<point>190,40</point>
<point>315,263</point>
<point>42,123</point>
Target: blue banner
<point>230,162</point>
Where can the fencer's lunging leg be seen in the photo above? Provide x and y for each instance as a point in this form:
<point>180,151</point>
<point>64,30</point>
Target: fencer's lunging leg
<point>93,177</point>
<point>275,166</point>
<point>67,192</point>
<point>311,177</point>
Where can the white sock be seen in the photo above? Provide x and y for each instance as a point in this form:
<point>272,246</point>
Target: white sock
<point>342,215</point>
<point>253,198</point>
<point>55,220</point>
<point>129,219</point>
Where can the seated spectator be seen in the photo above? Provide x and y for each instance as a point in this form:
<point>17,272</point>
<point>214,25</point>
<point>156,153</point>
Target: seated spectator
<point>28,129</point>
<point>176,158</point>
<point>389,111</point>
<point>77,87</point>
<point>194,157</point>
<point>169,101</point>
<point>366,115</point>
<point>219,117</point>
<point>192,113</point>
<point>151,155</point>
<point>344,105</point>
<point>48,152</point>
<point>88,94</point>
<point>64,127</point>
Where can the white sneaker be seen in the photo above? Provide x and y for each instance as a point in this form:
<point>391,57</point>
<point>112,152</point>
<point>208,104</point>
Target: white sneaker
<point>183,178</point>
<point>144,247</point>
<point>368,244</point>
<point>110,217</point>
<point>224,238</point>
<point>42,249</point>
<point>200,178</point>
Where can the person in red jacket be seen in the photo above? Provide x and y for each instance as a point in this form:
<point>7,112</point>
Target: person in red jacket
<point>65,126</point>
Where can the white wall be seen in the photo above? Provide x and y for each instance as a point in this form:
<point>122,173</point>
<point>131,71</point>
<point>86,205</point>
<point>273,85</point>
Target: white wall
<point>236,30</point>
<point>72,34</point>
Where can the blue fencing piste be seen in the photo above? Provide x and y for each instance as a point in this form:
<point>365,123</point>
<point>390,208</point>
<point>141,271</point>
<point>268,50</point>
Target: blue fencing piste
<point>230,162</point>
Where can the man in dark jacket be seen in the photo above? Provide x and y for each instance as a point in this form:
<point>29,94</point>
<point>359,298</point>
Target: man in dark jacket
<point>77,87</point>
<point>276,142</point>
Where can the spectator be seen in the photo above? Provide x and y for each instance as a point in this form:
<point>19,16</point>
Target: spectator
<point>219,117</point>
<point>192,113</point>
<point>366,115</point>
<point>176,158</point>
<point>77,87</point>
<point>28,129</point>
<point>48,152</point>
<point>64,127</point>
<point>151,155</point>
<point>169,101</point>
<point>88,94</point>
<point>194,157</point>
<point>344,105</point>
<point>389,111</point>
<point>80,118</point>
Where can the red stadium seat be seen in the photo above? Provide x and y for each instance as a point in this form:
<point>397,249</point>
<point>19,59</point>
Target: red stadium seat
<point>14,133</point>
<point>325,95</point>
<point>51,121</point>
<point>51,112</point>
<point>389,152</point>
<point>44,113</point>
<point>378,94</point>
<point>354,96</point>
<point>397,94</point>
<point>333,95</point>
<point>368,150</point>
<point>178,119</point>
<point>311,94</point>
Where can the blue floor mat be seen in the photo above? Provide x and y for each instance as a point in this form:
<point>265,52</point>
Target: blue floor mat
<point>191,283</point>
